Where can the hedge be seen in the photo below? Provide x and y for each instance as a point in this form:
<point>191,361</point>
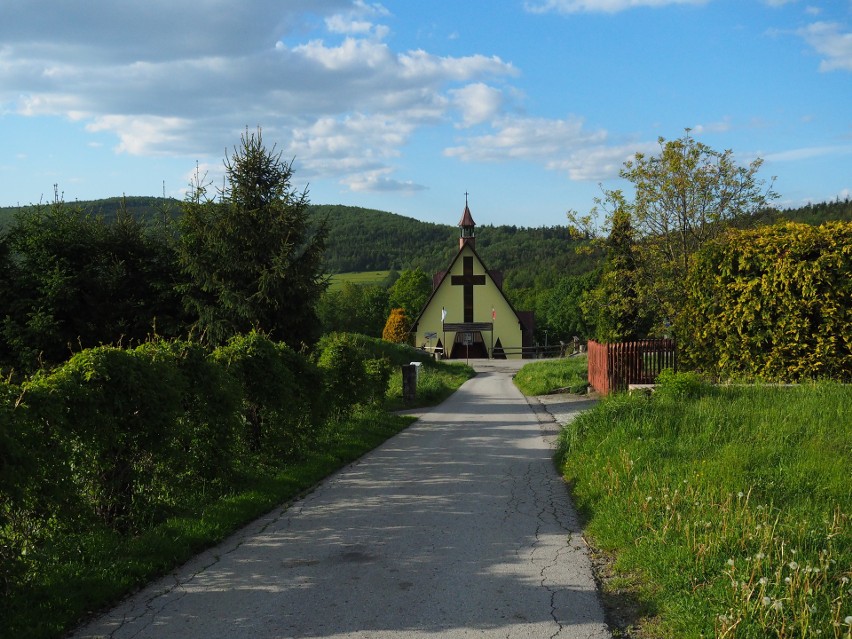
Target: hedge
<point>773,303</point>
<point>121,439</point>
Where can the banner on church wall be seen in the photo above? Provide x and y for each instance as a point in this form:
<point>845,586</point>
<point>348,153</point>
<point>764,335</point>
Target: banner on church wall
<point>468,327</point>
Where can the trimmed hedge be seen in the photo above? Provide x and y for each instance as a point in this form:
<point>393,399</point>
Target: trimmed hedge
<point>120,440</point>
<point>773,303</point>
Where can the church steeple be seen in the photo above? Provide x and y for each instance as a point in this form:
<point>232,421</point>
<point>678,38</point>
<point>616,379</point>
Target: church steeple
<point>466,224</point>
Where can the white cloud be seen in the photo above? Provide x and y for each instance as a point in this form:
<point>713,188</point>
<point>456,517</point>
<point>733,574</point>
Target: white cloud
<point>712,127</point>
<point>353,22</point>
<point>477,102</point>
<point>167,78</point>
<point>806,153</point>
<point>560,145</point>
<point>828,39</point>
<point>600,6</point>
<point>142,135</point>
<point>378,181</point>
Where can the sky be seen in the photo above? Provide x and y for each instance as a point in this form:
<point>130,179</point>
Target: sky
<point>530,107</point>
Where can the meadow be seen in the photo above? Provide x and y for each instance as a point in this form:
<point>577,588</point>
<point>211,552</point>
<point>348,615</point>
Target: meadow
<point>724,511</point>
<point>365,278</point>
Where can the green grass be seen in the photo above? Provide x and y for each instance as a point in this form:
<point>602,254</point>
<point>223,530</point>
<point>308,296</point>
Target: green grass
<point>78,577</point>
<point>363,278</point>
<point>437,381</point>
<point>729,508</point>
<point>541,378</point>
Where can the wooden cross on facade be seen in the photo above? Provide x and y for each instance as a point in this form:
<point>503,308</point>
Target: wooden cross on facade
<point>468,280</point>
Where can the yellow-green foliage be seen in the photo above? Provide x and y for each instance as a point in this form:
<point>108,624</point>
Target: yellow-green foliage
<point>773,303</point>
<point>396,328</point>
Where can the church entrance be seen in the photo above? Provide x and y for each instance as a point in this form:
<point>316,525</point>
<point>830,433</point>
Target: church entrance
<point>469,345</point>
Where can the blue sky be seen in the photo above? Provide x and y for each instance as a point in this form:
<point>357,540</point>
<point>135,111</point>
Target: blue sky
<point>530,106</point>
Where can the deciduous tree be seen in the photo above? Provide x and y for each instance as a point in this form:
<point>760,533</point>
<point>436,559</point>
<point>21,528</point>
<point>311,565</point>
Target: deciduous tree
<point>410,291</point>
<point>685,196</point>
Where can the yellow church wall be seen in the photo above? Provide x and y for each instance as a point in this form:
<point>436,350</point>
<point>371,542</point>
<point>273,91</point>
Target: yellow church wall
<point>485,297</point>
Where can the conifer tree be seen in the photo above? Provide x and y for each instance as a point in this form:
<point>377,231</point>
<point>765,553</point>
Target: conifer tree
<point>252,258</point>
<point>614,307</point>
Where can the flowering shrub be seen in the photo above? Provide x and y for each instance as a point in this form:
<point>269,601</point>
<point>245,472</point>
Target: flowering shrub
<point>396,328</point>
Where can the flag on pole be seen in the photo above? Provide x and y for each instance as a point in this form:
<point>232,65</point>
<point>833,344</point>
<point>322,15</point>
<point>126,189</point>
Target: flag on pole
<point>443,314</point>
<point>493,314</point>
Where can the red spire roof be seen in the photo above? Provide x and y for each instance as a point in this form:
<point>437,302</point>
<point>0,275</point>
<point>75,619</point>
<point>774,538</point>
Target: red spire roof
<point>467,218</point>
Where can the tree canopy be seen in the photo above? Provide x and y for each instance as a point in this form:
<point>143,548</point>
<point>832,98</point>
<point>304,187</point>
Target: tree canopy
<point>252,258</point>
<point>685,196</point>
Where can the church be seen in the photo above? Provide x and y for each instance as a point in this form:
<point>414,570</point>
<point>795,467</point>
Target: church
<point>468,315</point>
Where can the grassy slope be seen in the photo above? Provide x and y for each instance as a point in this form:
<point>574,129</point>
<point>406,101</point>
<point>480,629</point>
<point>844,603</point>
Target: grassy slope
<point>728,513</point>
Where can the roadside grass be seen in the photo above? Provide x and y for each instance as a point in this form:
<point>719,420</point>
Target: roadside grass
<point>437,381</point>
<point>78,577</point>
<point>364,278</point>
<point>727,509</point>
<point>541,378</point>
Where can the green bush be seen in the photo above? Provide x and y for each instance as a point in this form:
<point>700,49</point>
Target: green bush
<point>119,463</point>
<point>279,391</point>
<point>209,428</point>
<point>17,475</point>
<point>685,385</point>
<point>115,412</point>
<point>351,373</point>
<point>772,303</point>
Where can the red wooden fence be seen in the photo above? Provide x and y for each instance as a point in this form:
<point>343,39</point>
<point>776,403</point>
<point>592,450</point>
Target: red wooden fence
<point>613,366</point>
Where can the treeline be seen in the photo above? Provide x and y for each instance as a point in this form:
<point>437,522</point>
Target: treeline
<point>367,240</point>
<point>361,239</point>
<point>245,259</point>
<point>691,257</point>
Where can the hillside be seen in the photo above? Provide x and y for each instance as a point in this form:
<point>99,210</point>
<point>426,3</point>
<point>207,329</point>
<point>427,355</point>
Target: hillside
<point>366,240</point>
<point>362,239</point>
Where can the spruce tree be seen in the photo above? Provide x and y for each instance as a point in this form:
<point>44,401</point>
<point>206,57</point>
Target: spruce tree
<point>252,258</point>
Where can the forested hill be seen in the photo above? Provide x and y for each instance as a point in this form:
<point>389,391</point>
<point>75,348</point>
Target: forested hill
<point>362,239</point>
<point>367,240</point>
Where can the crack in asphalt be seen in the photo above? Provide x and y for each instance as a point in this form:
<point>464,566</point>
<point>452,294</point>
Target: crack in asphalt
<point>178,588</point>
<point>539,530</point>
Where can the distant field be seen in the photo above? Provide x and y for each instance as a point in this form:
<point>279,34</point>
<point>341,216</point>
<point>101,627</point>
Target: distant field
<point>363,278</point>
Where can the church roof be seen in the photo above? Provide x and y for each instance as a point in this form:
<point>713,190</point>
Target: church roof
<point>444,274</point>
<point>467,218</point>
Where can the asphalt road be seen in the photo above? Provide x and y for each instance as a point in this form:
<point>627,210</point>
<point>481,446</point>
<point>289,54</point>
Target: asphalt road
<point>458,527</point>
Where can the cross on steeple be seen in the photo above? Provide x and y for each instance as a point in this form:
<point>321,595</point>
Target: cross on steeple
<point>466,225</point>
<point>468,280</point>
